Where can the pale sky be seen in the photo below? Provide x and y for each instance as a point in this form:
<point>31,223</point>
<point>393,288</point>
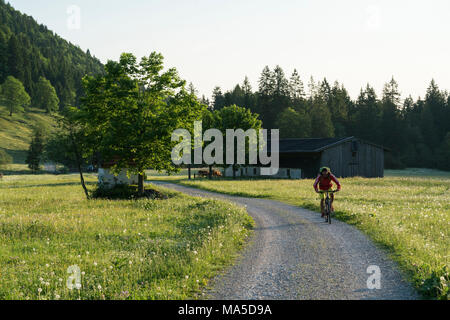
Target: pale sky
<point>219,42</point>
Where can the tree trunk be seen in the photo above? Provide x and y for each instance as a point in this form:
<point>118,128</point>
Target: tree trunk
<point>141,184</point>
<point>210,172</point>
<point>234,172</point>
<point>78,158</point>
<point>189,172</point>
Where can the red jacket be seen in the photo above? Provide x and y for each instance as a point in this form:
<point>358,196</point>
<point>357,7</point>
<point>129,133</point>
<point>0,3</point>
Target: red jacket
<point>326,183</point>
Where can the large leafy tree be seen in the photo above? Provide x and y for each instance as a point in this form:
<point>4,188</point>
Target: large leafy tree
<point>294,124</point>
<point>14,96</point>
<point>46,97</point>
<point>129,114</point>
<point>233,117</point>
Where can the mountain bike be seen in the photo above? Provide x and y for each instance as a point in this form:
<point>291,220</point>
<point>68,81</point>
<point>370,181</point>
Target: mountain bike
<point>328,204</point>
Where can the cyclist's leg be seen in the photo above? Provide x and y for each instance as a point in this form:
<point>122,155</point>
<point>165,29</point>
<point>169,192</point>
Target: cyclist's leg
<point>322,204</point>
<point>332,200</point>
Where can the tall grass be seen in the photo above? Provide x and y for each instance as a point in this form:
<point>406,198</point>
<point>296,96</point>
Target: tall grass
<point>144,249</point>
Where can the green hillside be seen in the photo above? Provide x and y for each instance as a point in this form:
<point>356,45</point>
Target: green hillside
<point>16,131</point>
<point>29,50</point>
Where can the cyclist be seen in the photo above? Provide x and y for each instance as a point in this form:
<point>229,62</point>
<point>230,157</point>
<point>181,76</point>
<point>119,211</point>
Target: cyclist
<point>324,182</point>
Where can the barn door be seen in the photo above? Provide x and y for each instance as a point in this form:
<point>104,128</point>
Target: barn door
<point>354,162</point>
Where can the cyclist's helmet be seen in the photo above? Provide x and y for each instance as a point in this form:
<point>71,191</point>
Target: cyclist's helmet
<point>328,170</point>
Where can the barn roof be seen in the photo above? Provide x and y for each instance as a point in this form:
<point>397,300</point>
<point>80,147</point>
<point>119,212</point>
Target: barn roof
<point>312,145</point>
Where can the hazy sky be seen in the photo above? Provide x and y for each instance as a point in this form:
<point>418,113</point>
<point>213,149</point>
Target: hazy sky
<point>219,42</point>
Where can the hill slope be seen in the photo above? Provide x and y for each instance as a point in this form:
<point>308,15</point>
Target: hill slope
<point>16,131</point>
<point>29,50</point>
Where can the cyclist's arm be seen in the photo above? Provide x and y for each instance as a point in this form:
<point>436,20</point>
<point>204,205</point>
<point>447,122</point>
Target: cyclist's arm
<point>333,177</point>
<point>316,183</point>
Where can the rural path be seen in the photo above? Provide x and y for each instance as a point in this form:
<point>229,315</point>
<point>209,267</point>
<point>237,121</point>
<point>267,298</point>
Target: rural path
<point>293,255</point>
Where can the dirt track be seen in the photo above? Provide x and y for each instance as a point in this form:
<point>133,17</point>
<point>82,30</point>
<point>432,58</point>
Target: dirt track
<point>295,255</point>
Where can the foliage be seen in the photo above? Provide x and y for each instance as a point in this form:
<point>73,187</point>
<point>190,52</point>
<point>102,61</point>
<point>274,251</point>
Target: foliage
<point>294,124</point>
<point>412,130</point>
<point>59,149</point>
<point>29,51</point>
<point>126,192</point>
<point>14,96</point>
<point>46,97</point>
<point>232,117</point>
<point>36,150</point>
<point>128,115</point>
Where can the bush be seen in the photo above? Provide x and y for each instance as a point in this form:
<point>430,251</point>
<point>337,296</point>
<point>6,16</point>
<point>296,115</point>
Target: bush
<point>125,192</point>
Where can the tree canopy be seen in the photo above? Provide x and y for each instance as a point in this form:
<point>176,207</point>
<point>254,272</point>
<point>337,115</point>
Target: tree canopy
<point>14,96</point>
<point>128,114</point>
<point>415,131</point>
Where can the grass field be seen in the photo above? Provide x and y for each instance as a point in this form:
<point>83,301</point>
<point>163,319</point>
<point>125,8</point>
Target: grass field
<point>407,212</point>
<point>16,131</point>
<point>144,249</point>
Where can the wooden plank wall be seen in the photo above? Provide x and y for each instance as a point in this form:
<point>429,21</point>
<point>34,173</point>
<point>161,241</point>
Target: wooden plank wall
<point>368,161</point>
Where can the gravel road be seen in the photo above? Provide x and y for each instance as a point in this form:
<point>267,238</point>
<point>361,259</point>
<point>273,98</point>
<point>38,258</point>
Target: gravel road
<point>295,255</point>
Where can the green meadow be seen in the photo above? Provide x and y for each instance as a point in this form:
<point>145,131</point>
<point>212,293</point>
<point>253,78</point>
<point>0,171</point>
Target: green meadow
<point>140,249</point>
<point>407,213</point>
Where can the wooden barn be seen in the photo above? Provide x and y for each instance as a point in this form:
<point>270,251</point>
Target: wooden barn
<point>347,157</point>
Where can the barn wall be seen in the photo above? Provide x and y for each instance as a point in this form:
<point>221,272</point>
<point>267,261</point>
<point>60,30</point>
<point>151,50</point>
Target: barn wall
<point>367,162</point>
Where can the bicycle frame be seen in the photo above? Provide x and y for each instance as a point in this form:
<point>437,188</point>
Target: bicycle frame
<point>328,204</point>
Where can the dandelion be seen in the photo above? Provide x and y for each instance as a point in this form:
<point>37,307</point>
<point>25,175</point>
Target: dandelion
<point>60,280</point>
<point>111,267</point>
<point>83,273</point>
<point>57,296</point>
<point>130,262</point>
<point>99,287</point>
<point>187,277</point>
<point>78,286</point>
<point>47,265</point>
<point>39,290</point>
<point>95,263</point>
<point>195,252</point>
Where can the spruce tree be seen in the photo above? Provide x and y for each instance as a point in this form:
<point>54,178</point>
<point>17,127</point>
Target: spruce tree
<point>35,151</point>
